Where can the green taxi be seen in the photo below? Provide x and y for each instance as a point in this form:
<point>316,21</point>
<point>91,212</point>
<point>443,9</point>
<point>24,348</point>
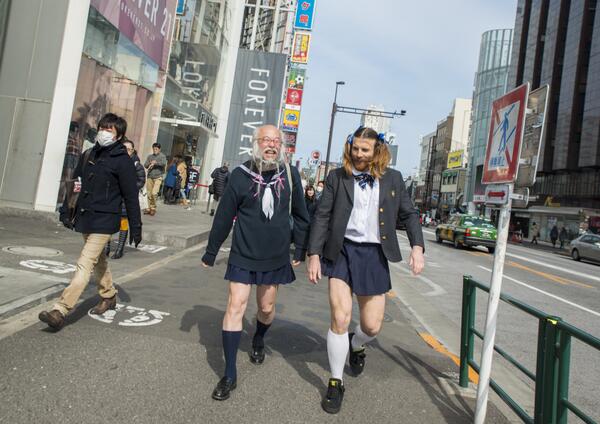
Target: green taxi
<point>468,230</point>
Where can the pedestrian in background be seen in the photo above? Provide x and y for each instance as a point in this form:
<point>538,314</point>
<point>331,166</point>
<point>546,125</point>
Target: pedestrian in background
<point>263,193</point>
<point>140,183</point>
<point>220,178</point>
<point>554,235</point>
<point>320,186</point>
<point>535,233</point>
<point>155,164</point>
<point>563,237</point>
<point>170,183</point>
<point>181,185</point>
<point>108,178</point>
<point>352,239</point>
<point>310,199</point>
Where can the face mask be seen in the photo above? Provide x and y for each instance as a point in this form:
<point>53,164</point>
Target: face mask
<point>105,138</point>
<point>319,189</point>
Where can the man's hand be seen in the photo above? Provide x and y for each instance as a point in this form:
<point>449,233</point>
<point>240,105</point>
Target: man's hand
<point>204,265</point>
<point>135,236</point>
<point>295,263</point>
<point>417,260</point>
<point>314,269</point>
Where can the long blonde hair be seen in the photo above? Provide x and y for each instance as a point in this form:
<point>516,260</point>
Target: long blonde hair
<point>381,156</point>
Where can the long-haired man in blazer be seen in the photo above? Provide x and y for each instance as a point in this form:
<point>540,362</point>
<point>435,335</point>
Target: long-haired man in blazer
<point>352,238</point>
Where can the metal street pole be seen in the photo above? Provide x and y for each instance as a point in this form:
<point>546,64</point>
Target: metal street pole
<point>483,388</point>
<point>333,111</point>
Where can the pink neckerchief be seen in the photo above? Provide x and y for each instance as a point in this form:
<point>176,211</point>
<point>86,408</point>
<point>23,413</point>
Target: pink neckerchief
<point>268,203</point>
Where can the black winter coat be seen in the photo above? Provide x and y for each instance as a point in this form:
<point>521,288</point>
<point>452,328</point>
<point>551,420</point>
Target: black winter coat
<point>107,179</point>
<point>220,178</point>
<point>140,171</point>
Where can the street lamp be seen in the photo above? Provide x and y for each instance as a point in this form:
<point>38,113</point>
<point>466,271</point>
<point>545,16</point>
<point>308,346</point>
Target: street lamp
<point>333,111</point>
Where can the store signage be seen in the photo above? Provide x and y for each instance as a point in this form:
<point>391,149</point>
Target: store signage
<point>497,194</point>
<point>300,47</point>
<point>255,101</point>
<point>504,141</point>
<point>535,122</point>
<point>455,159</point>
<point>305,13</point>
<point>291,120</point>
<point>180,7</point>
<point>147,23</point>
<point>293,97</point>
<point>296,77</point>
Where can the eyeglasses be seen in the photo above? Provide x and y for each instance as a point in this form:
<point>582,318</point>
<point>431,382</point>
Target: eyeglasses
<point>268,140</point>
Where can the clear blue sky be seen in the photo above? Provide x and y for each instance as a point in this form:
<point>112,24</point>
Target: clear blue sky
<point>416,56</point>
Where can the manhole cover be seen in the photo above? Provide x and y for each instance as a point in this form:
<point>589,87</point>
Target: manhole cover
<point>43,252</point>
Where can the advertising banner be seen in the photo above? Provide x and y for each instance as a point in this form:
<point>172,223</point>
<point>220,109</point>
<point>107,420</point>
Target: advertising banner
<point>148,24</point>
<point>291,120</point>
<point>296,77</point>
<point>300,47</point>
<point>255,100</point>
<point>504,141</point>
<point>305,13</point>
<point>455,159</point>
<point>293,97</point>
<point>290,142</point>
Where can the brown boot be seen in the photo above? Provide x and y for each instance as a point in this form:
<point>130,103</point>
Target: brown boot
<point>104,305</point>
<point>146,211</point>
<point>152,212</point>
<point>55,319</point>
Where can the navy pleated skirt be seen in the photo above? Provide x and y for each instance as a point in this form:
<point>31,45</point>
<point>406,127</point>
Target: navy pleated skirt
<point>363,266</point>
<point>283,275</point>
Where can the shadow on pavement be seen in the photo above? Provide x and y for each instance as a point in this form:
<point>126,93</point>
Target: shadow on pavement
<point>453,408</point>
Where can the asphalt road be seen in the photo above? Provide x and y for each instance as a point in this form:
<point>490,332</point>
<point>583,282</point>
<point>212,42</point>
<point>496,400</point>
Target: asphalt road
<point>550,282</point>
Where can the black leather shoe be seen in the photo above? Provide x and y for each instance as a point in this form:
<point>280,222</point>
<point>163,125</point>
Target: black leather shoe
<point>257,354</point>
<point>332,402</point>
<point>224,388</point>
<point>357,358</point>
<point>53,318</point>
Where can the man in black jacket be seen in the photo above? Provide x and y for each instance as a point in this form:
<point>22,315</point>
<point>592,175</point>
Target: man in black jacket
<point>108,177</point>
<point>220,178</point>
<point>352,238</point>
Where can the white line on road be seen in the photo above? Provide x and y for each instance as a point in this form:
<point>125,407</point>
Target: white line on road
<point>436,289</point>
<point>559,268</point>
<point>568,302</point>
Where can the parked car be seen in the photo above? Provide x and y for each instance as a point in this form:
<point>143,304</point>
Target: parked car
<point>468,230</point>
<point>586,246</point>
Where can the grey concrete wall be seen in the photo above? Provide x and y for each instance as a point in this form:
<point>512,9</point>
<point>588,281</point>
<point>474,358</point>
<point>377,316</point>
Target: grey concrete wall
<point>28,73</point>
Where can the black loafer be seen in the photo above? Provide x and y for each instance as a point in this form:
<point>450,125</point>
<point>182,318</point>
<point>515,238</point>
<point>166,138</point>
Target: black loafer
<point>357,358</point>
<point>257,354</point>
<point>224,388</point>
<point>332,402</point>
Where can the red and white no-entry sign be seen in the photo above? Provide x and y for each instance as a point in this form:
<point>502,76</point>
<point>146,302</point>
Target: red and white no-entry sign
<point>315,154</point>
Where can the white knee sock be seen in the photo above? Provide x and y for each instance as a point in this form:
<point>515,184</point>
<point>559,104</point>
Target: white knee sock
<point>360,338</point>
<point>337,349</point>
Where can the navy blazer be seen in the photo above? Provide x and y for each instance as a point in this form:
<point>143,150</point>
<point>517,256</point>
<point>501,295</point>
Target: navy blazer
<point>333,213</point>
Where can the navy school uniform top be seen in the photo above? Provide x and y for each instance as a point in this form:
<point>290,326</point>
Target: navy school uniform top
<point>259,244</point>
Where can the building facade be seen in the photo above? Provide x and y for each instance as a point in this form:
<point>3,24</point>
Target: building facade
<point>424,173</point>
<point>490,83</point>
<point>85,58</point>
<point>557,42</point>
<point>378,123</point>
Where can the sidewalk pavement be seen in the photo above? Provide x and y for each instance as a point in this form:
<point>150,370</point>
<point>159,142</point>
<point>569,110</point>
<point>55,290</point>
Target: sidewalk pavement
<point>545,246</point>
<point>164,373</point>
<point>37,241</point>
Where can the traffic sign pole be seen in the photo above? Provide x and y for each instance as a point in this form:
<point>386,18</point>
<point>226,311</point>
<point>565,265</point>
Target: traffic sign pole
<point>491,320</point>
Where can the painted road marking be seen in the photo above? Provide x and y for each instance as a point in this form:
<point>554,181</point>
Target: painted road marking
<point>555,278</point>
<point>50,266</point>
<point>151,248</point>
<point>436,289</point>
<point>138,317</point>
<point>428,232</point>
<point>553,296</point>
<point>438,347</point>
<point>547,265</point>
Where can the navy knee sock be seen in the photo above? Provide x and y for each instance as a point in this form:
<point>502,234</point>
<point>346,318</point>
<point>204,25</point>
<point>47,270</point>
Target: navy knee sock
<point>261,329</point>
<point>231,341</point>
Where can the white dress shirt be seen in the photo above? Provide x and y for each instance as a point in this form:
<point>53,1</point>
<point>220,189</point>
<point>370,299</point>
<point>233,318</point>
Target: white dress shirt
<point>362,226</point>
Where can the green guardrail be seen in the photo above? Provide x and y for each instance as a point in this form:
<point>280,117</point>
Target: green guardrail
<point>551,375</point>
